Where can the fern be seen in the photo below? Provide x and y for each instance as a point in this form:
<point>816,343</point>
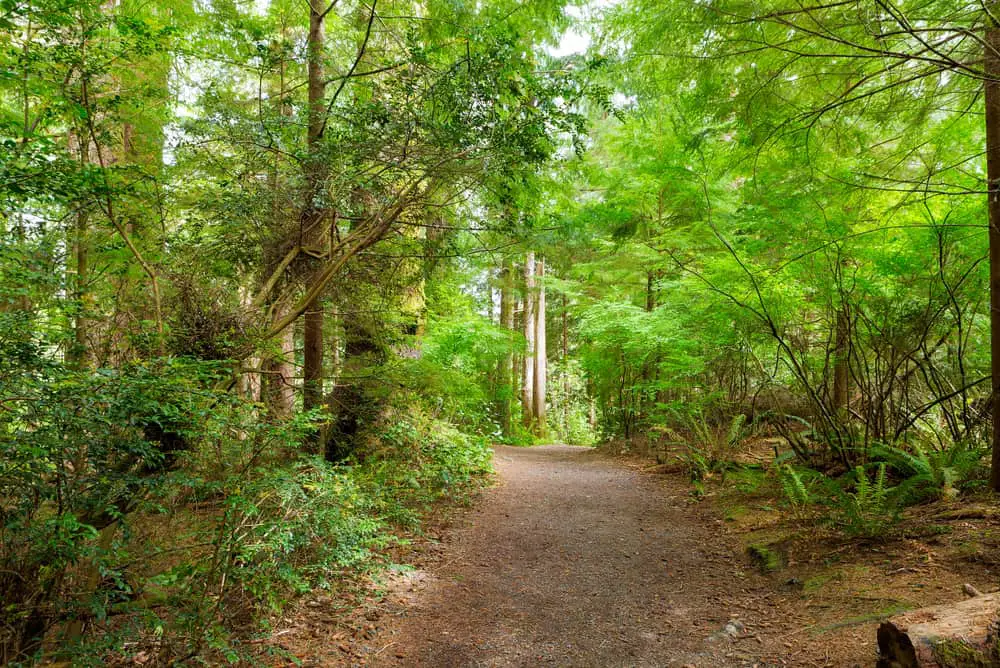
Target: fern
<point>795,489</point>
<point>929,476</point>
<point>737,430</point>
<point>868,512</point>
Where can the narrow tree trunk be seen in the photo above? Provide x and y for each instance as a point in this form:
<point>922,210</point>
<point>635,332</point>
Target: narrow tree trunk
<point>278,388</point>
<point>541,353</point>
<point>312,387</point>
<point>84,298</point>
<point>312,374</point>
<point>528,368</point>
<point>992,95</point>
<point>249,382</point>
<point>504,372</point>
<point>645,395</point>
<point>336,343</point>
<point>650,294</point>
<point>841,361</point>
<point>81,353</point>
<point>565,365</point>
<point>517,360</point>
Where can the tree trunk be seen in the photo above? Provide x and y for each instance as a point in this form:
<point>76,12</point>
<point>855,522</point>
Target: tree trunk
<point>841,361</point>
<point>312,373</point>
<point>80,356</point>
<point>650,293</point>
<point>992,95</point>
<point>312,386</point>
<point>528,367</point>
<point>541,353</point>
<point>565,365</point>
<point>336,354</point>
<point>278,382</point>
<point>505,372</point>
<point>943,636</point>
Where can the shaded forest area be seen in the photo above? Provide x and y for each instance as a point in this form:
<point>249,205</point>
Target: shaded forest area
<point>274,275</point>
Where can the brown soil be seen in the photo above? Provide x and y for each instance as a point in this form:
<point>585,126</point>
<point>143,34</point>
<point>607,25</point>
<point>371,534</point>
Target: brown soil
<point>578,558</point>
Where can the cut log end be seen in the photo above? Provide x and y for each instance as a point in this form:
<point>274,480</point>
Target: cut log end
<point>958,635</point>
<point>895,650</point>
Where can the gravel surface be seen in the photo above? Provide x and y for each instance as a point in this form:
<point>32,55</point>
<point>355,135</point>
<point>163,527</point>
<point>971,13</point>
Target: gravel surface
<point>575,559</point>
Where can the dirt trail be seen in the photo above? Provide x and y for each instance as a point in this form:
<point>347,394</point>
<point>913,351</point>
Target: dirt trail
<point>576,560</point>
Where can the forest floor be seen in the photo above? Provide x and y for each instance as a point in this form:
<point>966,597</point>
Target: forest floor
<point>578,558</point>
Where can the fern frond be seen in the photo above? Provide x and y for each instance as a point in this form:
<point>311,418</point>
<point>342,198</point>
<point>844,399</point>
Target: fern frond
<point>736,429</point>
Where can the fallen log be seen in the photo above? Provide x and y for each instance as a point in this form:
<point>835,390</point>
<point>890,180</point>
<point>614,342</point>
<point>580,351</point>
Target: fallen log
<point>956,635</point>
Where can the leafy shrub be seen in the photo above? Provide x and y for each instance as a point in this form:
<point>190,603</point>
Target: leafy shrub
<point>410,459</point>
<point>231,520</point>
<point>79,452</point>
<point>935,474</point>
<point>868,511</point>
<point>794,487</point>
<point>857,504</point>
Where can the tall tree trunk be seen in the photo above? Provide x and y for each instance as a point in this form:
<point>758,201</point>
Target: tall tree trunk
<point>565,365</point>
<point>992,95</point>
<point>505,372</point>
<point>249,381</point>
<point>278,387</point>
<point>841,360</point>
<point>528,367</point>
<point>312,386</point>
<point>336,355</point>
<point>650,291</point>
<point>81,354</point>
<point>312,372</point>
<point>541,353</point>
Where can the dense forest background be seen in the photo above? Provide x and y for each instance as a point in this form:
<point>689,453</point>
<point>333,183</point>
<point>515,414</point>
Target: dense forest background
<point>275,274</point>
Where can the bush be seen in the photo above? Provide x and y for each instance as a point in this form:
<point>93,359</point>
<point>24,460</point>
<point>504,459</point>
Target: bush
<point>79,452</point>
<point>934,474</point>
<point>230,519</point>
<point>868,511</point>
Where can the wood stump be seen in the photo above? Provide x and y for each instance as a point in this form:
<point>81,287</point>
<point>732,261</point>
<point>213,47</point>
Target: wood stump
<point>956,635</point>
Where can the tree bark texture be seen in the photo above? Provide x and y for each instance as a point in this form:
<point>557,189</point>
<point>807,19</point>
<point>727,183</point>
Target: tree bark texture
<point>992,96</point>
<point>505,373</point>
<point>278,382</point>
<point>541,357</point>
<point>312,386</point>
<point>943,636</point>
<point>528,368</point>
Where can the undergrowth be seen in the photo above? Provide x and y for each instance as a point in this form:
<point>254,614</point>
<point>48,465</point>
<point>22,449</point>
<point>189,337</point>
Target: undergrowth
<point>865,501</point>
<point>185,564</point>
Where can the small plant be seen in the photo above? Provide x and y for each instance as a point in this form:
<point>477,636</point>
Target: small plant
<point>867,512</point>
<point>796,492</point>
<point>935,474</point>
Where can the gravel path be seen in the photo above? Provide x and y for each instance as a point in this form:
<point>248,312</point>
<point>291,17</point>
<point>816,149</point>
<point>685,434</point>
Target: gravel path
<point>577,560</point>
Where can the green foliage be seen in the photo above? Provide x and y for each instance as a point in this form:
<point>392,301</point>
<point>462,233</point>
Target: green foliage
<point>570,405</point>
<point>765,558</point>
<point>868,511</point>
<point>700,433</point>
<point>410,459</point>
<point>930,475</point>
<point>796,492</point>
<point>858,504</point>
